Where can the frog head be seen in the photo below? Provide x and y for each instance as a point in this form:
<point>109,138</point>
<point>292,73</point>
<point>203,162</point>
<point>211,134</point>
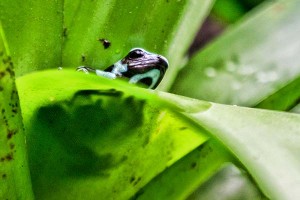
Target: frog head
<point>141,66</point>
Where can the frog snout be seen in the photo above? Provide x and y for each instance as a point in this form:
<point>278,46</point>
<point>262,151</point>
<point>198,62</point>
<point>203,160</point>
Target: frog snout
<point>163,61</point>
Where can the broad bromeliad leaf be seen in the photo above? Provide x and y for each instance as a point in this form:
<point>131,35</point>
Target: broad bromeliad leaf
<point>89,139</point>
<point>42,34</point>
<point>266,143</point>
<point>255,63</point>
<point>182,178</point>
<point>14,172</point>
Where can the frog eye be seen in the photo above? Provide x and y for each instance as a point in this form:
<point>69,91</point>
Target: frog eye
<point>136,53</point>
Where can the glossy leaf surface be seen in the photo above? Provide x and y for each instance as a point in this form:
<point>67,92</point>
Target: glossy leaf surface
<point>253,61</point>
<point>242,130</point>
<point>93,137</point>
<point>14,173</point>
<point>34,33</point>
<point>257,138</point>
<point>52,34</point>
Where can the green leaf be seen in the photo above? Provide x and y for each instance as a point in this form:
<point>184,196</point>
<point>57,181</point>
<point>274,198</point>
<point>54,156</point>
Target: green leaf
<point>87,138</point>
<point>285,98</point>
<point>52,34</point>
<point>161,26</point>
<point>14,172</point>
<point>296,109</point>
<point>228,11</point>
<point>93,137</point>
<point>228,183</point>
<point>182,178</point>
<point>34,33</point>
<point>265,142</point>
<point>255,59</point>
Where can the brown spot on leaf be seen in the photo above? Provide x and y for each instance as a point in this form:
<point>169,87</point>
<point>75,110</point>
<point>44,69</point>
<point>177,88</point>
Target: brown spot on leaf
<point>10,71</point>
<point>137,181</point>
<point>2,74</point>
<point>9,156</point>
<point>82,58</point>
<point>10,133</point>
<point>132,179</point>
<point>65,32</point>
<point>193,165</point>
<point>14,110</point>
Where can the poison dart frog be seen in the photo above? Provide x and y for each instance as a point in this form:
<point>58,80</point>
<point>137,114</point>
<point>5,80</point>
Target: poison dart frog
<point>139,66</point>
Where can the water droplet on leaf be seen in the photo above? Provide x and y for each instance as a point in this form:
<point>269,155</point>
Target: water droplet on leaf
<point>210,72</point>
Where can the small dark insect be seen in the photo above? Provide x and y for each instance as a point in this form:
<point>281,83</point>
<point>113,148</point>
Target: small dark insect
<point>82,58</point>
<point>105,43</point>
<point>65,30</point>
